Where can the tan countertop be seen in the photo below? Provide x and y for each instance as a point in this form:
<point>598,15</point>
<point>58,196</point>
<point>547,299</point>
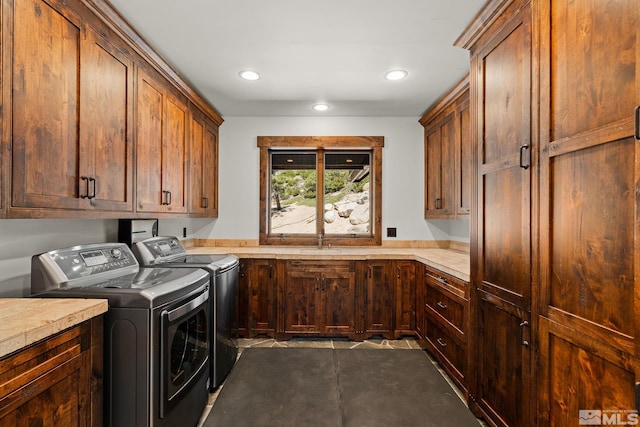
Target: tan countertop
<point>24,321</point>
<point>451,261</point>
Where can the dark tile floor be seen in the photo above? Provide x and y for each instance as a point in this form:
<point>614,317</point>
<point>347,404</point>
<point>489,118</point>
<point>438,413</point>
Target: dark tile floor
<point>407,343</point>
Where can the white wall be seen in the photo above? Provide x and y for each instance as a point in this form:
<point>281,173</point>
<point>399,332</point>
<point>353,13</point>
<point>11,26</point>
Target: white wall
<point>402,174</point>
<point>402,194</point>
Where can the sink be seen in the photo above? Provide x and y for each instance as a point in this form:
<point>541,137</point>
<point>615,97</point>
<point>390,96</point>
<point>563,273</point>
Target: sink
<point>327,251</point>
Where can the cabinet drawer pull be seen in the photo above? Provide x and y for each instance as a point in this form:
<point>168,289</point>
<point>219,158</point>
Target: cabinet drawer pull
<point>205,202</point>
<point>166,197</point>
<point>443,279</point>
<point>442,343</point>
<point>93,193</point>
<point>523,148</point>
<point>441,305</point>
<point>85,195</point>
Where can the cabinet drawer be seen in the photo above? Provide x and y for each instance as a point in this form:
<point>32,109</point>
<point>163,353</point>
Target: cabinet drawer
<point>446,304</point>
<point>455,285</point>
<point>447,346</point>
<point>320,266</point>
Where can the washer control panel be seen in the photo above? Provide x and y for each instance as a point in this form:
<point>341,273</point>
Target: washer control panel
<point>87,261</point>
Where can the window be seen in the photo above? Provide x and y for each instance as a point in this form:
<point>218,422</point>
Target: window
<point>327,186</point>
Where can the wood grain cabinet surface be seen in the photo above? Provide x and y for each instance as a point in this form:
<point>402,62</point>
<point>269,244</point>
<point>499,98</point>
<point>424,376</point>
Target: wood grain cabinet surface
<point>95,124</point>
<point>555,94</point>
<point>203,166</point>
<point>404,280</point>
<point>71,112</point>
<point>589,178</point>
<point>447,155</point>
<point>257,297</point>
<point>446,317</point>
<point>378,298</point>
<point>501,284</point>
<point>318,298</point>
<point>55,383</point>
<point>161,148</point>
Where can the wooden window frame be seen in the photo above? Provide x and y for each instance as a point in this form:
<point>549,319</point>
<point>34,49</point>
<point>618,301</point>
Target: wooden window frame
<point>321,143</point>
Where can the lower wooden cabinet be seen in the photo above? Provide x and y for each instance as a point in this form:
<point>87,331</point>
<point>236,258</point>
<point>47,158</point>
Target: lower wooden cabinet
<point>404,273</point>
<point>318,298</point>
<point>378,298</point>
<point>56,382</point>
<point>446,314</point>
<point>358,300</point>
<point>257,297</point>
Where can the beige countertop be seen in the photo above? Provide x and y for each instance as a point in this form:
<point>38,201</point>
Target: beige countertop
<point>451,261</point>
<point>24,321</point>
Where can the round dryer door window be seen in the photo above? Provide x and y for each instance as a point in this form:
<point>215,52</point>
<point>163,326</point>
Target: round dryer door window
<point>186,348</point>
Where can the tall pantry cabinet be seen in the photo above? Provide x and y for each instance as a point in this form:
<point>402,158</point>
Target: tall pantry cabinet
<point>501,286</point>
<point>589,209</point>
<point>555,90</point>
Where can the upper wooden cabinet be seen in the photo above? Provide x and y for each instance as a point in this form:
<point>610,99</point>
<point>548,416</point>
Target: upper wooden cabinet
<point>447,155</point>
<point>203,167</point>
<point>161,148</point>
<point>70,100</point>
<point>82,135</point>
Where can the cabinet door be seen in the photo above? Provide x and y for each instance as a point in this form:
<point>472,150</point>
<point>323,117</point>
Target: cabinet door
<point>243,299</point>
<point>262,297</point>
<point>71,105</point>
<point>210,172</point>
<point>464,155</point>
<point>338,297</point>
<point>106,134</point>
<point>378,299</point>
<point>502,282</point>
<point>150,112</point>
<point>589,209</point>
<point>405,298</point>
<point>56,382</point>
<point>203,167</point>
<point>45,106</point>
<point>439,158</point>
<point>174,155</point>
<point>301,301</point>
<point>196,164</point>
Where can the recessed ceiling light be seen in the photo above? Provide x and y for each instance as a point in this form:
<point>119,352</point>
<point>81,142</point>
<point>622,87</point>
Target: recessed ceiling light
<point>321,107</point>
<point>249,75</point>
<point>396,75</point>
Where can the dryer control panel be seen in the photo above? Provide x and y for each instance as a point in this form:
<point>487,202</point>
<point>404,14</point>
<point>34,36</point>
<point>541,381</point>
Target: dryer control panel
<point>158,250</point>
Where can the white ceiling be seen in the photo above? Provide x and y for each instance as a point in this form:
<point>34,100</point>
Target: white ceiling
<point>333,51</point>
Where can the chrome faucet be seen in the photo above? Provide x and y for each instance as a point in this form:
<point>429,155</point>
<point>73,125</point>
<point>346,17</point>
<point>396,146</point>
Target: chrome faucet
<point>320,241</point>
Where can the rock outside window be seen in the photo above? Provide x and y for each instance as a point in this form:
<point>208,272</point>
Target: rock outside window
<point>320,186</point>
